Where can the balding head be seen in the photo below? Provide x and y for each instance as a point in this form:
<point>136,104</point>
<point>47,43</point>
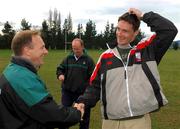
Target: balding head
<point>78,47</point>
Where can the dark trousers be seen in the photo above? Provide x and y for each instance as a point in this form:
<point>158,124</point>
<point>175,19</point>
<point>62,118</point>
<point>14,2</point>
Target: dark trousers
<point>68,98</point>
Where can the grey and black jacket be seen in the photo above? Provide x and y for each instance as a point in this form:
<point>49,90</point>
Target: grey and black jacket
<point>132,89</point>
<point>26,104</point>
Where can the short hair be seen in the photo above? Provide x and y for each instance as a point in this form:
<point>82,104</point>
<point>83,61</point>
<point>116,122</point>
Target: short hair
<point>22,39</point>
<point>80,40</point>
<point>131,19</point>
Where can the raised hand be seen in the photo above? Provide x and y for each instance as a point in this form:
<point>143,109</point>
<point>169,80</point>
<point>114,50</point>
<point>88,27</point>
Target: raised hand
<point>137,12</point>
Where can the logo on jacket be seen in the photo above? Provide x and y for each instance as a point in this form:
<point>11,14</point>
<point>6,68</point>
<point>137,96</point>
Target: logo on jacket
<point>138,56</point>
<point>109,63</point>
<point>84,62</point>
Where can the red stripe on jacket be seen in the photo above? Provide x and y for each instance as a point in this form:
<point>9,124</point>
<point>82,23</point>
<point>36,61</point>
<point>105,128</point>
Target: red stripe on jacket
<point>104,56</point>
<point>143,44</point>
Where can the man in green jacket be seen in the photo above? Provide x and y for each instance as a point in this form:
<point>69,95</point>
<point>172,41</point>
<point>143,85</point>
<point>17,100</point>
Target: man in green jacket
<point>24,100</point>
<point>74,72</point>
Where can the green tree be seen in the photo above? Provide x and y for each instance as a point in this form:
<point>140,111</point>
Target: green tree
<point>8,34</point>
<point>100,43</point>
<point>45,34</point>
<point>175,45</point>
<point>1,41</point>
<point>50,18</point>
<point>65,33</point>
<point>112,36</point>
<point>25,25</point>
<point>55,35</point>
<point>90,34</point>
<point>79,31</point>
<point>107,31</point>
<point>59,41</point>
<point>67,29</point>
<point>69,23</point>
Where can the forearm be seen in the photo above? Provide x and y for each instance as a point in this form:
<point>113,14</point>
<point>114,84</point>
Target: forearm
<point>48,112</point>
<point>159,23</point>
<point>90,97</point>
<point>165,33</point>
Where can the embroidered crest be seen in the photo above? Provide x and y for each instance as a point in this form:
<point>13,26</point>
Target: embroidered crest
<point>138,56</point>
<point>109,62</point>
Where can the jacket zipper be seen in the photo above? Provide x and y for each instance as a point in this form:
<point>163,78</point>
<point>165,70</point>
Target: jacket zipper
<point>126,79</point>
<point>127,89</point>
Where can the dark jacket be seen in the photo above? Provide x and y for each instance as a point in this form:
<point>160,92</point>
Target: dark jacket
<point>132,89</point>
<point>25,102</point>
<point>77,72</point>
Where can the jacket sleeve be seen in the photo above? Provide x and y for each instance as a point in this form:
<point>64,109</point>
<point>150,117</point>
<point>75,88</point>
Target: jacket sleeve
<point>53,115</point>
<point>61,68</point>
<point>92,93</point>
<point>91,66</point>
<point>165,33</point>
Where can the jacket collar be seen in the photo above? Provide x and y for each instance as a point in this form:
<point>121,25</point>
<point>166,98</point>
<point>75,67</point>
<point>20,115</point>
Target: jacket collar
<point>112,45</point>
<point>23,62</point>
<point>84,53</point>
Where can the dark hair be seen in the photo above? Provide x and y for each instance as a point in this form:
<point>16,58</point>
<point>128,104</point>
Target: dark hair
<point>131,19</point>
<point>22,39</point>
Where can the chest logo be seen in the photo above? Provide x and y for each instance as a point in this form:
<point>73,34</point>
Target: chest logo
<point>109,62</point>
<point>138,56</point>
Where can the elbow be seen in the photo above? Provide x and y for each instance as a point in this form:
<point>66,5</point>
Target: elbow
<point>174,31</point>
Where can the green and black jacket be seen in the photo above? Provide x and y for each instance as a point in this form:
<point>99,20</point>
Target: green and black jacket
<point>25,102</point>
<point>77,72</point>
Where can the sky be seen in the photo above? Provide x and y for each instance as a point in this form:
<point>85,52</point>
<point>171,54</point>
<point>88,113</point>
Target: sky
<point>99,11</point>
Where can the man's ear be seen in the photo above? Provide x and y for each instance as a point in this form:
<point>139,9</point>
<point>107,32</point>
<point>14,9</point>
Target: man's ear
<point>26,51</point>
<point>137,32</point>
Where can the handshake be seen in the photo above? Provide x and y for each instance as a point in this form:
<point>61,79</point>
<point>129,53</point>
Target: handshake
<point>80,107</point>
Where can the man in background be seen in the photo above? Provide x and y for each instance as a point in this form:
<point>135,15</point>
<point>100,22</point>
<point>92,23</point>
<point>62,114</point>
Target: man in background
<point>74,72</point>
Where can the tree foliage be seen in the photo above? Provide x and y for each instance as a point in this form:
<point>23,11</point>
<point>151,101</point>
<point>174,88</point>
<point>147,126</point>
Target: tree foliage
<point>8,34</point>
<point>175,45</point>
<point>25,25</point>
<point>90,33</point>
<point>57,36</point>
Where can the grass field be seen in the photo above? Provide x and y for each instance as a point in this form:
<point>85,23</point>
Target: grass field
<point>167,118</point>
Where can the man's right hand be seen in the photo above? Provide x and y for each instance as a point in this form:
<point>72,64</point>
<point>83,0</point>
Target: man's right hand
<point>61,78</point>
<point>137,12</point>
<point>81,108</point>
